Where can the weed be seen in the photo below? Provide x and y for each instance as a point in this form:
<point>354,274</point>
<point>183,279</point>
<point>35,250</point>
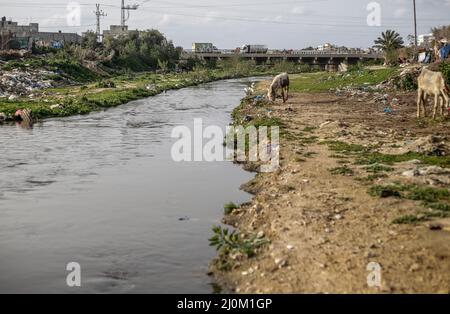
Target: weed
<point>342,147</point>
<point>344,170</point>
<point>309,129</point>
<point>378,168</point>
<point>229,208</point>
<point>227,242</point>
<point>408,220</point>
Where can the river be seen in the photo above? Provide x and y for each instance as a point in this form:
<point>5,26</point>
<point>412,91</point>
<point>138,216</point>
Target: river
<point>103,191</point>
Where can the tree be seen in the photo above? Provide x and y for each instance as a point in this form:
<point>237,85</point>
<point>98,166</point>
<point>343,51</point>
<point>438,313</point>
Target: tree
<point>389,41</point>
<point>441,32</point>
<point>89,40</point>
<point>144,50</point>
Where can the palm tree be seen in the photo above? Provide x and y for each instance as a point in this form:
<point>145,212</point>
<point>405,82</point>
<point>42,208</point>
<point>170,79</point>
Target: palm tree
<point>390,40</point>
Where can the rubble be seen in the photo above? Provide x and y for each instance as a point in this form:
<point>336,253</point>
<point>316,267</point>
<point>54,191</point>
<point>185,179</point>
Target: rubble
<point>14,54</point>
<point>430,145</point>
<point>21,83</point>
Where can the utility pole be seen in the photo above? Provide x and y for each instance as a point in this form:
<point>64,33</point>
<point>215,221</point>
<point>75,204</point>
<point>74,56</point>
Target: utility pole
<point>125,15</point>
<point>98,13</point>
<point>415,27</point>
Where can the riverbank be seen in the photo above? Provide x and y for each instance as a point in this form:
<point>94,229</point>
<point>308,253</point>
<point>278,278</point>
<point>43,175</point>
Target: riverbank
<point>361,181</point>
<point>111,92</point>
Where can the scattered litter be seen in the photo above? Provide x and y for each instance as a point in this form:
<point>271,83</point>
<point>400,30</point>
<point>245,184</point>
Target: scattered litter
<point>59,106</point>
<point>388,110</point>
<point>248,118</point>
<point>20,83</point>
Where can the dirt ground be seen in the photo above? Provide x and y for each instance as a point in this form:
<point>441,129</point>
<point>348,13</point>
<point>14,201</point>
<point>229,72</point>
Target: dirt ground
<point>325,228</point>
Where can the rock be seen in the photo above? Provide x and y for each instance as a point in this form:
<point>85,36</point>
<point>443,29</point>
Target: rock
<point>435,226</point>
<point>414,267</point>
<point>433,170</point>
<point>411,173</point>
<point>258,208</point>
<point>12,97</point>
<point>343,67</point>
<point>370,255</point>
<point>290,247</point>
<point>389,193</point>
<point>260,235</point>
<point>59,106</point>
<point>338,217</point>
<point>248,118</point>
<point>2,117</point>
<point>430,145</point>
<point>281,263</point>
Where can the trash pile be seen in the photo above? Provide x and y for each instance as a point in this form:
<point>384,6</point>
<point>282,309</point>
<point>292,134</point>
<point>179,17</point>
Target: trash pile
<point>431,145</point>
<point>14,54</point>
<point>406,80</point>
<point>21,83</point>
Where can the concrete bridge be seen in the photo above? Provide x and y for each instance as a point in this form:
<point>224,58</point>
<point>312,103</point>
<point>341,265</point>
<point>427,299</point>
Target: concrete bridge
<point>321,59</point>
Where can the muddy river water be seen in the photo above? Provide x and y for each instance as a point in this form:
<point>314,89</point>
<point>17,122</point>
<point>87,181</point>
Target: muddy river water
<point>103,191</point>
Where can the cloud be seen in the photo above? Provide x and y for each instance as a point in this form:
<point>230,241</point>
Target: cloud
<point>400,12</point>
<point>165,20</point>
<point>210,16</point>
<point>300,10</point>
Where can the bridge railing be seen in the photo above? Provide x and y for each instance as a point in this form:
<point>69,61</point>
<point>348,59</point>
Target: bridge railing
<point>340,52</point>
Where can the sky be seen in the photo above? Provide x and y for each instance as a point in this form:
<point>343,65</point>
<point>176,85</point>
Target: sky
<point>282,24</point>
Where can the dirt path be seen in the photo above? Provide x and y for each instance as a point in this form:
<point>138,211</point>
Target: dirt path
<point>324,226</point>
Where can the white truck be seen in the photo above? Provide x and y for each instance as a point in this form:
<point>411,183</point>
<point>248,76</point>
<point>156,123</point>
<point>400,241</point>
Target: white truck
<point>204,48</point>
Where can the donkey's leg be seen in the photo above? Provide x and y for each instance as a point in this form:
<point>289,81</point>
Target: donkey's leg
<point>423,103</point>
<point>282,94</point>
<point>419,100</point>
<point>436,98</point>
<point>441,104</point>
<point>446,104</point>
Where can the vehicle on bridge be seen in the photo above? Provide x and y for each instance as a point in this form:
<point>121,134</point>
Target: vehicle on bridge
<point>204,48</point>
<point>254,49</point>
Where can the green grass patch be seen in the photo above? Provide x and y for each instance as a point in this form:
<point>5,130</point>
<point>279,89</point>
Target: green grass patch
<point>226,242</point>
<point>229,208</point>
<point>436,199</point>
<point>378,168</point>
<point>320,82</point>
<point>309,129</point>
<point>341,147</point>
<point>344,170</point>
<point>409,220</point>
<point>366,155</point>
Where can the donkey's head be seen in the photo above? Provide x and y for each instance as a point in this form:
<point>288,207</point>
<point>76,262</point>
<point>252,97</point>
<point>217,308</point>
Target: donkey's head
<point>271,94</point>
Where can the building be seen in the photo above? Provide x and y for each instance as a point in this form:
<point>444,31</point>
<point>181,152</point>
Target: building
<point>325,47</point>
<point>425,40</point>
<point>117,30</point>
<point>55,39</point>
<point>23,36</point>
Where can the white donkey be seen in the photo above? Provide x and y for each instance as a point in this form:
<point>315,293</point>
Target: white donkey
<point>432,83</point>
<point>279,82</point>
